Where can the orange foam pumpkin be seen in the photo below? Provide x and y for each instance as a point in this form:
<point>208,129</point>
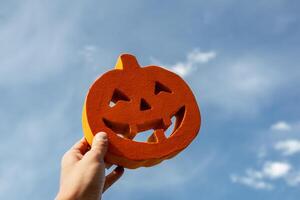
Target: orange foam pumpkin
<point>142,98</point>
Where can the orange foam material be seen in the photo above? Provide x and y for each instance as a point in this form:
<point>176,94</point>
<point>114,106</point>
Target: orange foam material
<point>143,98</point>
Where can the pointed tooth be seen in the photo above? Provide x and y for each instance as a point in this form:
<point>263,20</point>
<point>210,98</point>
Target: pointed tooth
<point>160,135</point>
<point>152,138</point>
<point>133,131</point>
<point>133,128</point>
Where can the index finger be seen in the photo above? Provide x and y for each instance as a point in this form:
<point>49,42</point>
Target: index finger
<point>81,146</point>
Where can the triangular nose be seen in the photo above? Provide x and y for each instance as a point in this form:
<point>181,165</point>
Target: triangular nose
<point>144,105</point>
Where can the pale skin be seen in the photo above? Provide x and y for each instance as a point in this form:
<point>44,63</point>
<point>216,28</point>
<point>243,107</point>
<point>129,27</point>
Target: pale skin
<point>83,171</point>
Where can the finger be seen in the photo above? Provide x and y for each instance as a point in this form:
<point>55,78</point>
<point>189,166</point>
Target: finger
<point>81,146</point>
<point>113,177</point>
<point>99,147</point>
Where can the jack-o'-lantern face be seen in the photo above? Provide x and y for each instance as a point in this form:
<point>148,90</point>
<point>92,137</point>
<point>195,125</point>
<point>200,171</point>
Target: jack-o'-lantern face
<point>129,100</point>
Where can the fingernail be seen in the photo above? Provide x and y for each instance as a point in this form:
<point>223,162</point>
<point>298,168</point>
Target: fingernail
<point>100,136</point>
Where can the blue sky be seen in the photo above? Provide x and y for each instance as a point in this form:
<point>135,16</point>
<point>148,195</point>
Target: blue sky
<point>241,58</point>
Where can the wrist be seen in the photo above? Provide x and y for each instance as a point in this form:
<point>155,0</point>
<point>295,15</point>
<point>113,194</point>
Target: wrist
<point>62,196</point>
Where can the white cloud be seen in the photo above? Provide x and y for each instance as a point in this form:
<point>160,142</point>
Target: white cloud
<point>294,179</point>
<point>271,172</point>
<point>88,52</point>
<point>281,126</point>
<point>261,179</point>
<point>288,147</point>
<point>251,182</point>
<point>276,170</point>
<point>197,56</point>
<point>194,60</point>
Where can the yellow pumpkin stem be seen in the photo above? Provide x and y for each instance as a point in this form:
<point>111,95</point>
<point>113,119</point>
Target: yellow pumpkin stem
<point>127,62</point>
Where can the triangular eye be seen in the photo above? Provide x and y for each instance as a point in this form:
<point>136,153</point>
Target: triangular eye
<point>159,87</point>
<point>117,96</point>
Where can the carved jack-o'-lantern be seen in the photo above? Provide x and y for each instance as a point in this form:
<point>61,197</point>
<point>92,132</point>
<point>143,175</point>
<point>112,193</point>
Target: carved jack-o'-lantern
<point>143,98</point>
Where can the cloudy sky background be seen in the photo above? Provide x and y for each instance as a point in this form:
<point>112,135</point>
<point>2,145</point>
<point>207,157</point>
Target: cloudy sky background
<point>241,58</point>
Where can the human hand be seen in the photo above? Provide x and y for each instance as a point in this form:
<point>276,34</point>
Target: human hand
<point>83,171</point>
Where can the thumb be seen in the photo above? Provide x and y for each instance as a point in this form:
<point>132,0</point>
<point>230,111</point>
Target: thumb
<point>99,146</point>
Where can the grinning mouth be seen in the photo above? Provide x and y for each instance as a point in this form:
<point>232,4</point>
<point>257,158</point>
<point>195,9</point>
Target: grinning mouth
<point>159,129</point>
